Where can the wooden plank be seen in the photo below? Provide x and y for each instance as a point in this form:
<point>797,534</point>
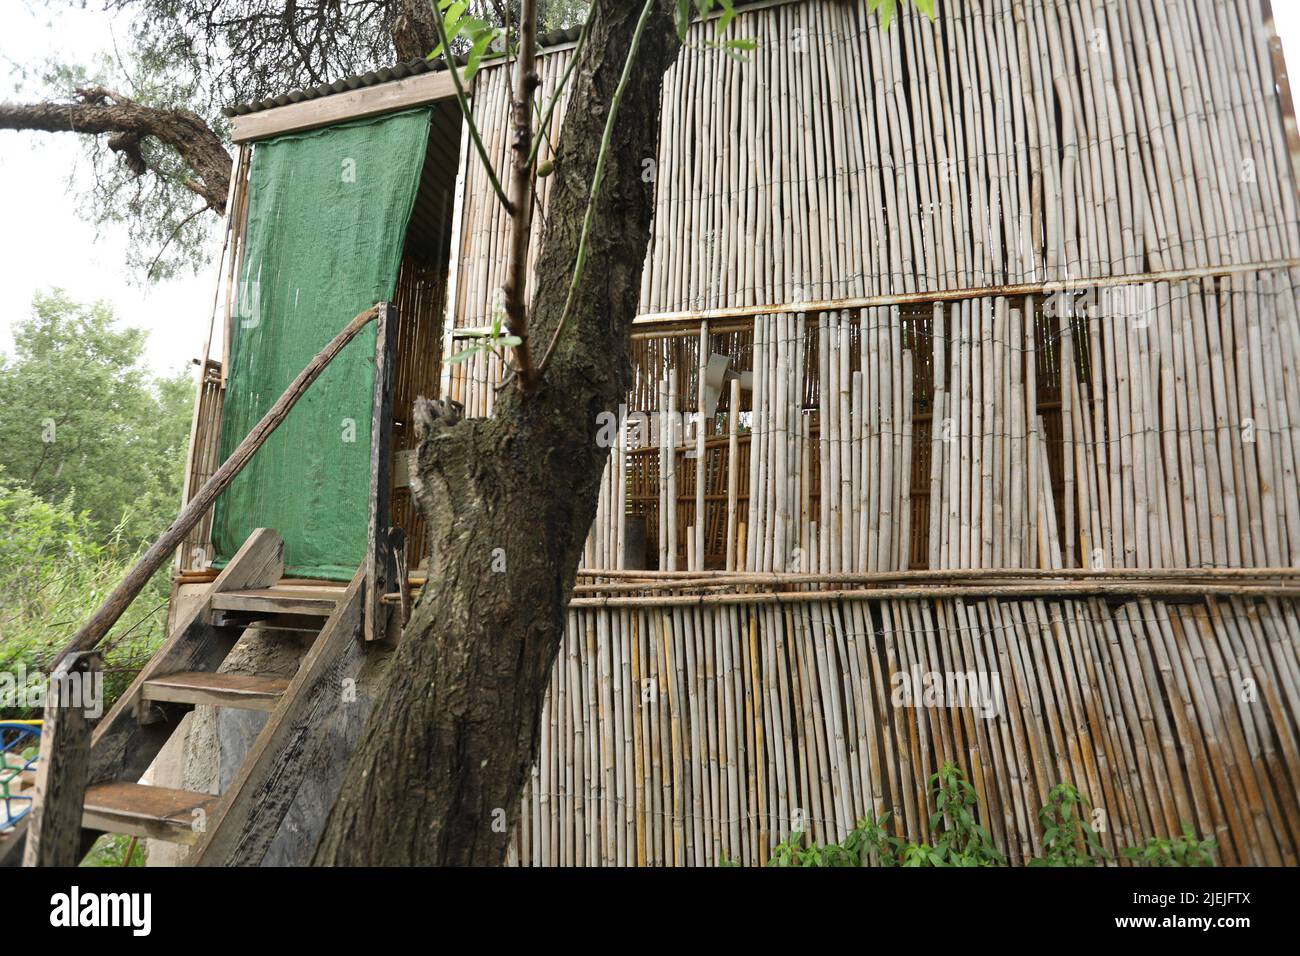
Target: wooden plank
<point>160,813</point>
<point>243,691</point>
<point>266,784</point>
<point>379,559</point>
<point>271,601</point>
<point>54,831</point>
<point>338,107</point>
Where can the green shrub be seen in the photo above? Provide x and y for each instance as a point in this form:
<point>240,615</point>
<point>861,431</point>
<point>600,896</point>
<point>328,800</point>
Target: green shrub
<point>53,575</point>
<point>1068,839</point>
<point>111,850</point>
<point>1184,850</point>
<point>957,839</point>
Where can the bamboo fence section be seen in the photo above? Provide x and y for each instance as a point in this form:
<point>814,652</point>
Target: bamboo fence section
<point>680,736</point>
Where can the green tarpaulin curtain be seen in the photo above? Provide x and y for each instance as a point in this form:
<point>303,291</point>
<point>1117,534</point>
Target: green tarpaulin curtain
<point>327,218</point>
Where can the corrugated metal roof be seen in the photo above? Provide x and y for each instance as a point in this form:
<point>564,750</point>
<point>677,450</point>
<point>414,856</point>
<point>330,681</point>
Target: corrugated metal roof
<point>375,77</point>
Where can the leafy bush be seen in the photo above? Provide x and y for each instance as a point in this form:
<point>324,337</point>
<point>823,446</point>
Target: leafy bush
<point>53,575</point>
<point>1184,850</point>
<point>959,840</point>
<point>92,454</point>
<point>1068,840</point>
<point>111,850</point>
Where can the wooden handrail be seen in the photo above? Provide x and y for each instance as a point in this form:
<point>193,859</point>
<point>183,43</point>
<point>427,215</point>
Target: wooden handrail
<point>93,631</point>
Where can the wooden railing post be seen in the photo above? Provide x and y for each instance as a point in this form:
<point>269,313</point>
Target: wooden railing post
<point>93,631</point>
<point>75,692</point>
<point>380,566</point>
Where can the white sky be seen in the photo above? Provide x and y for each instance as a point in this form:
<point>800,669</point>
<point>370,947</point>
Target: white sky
<point>45,242</point>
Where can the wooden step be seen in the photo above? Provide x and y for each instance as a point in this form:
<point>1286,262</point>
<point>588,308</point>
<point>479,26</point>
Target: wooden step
<point>245,691</point>
<point>161,813</point>
<point>313,602</point>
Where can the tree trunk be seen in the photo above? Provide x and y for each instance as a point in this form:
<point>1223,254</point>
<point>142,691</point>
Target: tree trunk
<point>452,737</point>
<point>414,34</point>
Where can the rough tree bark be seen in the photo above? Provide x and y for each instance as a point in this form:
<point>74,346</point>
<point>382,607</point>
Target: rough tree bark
<point>453,732</point>
<point>97,110</point>
<point>414,33</point>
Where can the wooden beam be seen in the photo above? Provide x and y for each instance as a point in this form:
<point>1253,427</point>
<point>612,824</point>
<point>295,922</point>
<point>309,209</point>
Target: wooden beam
<point>54,834</point>
<point>340,107</point>
<point>993,592</point>
<point>277,601</point>
<point>120,599</point>
<point>690,317</point>
<point>266,785</point>
<point>379,560</point>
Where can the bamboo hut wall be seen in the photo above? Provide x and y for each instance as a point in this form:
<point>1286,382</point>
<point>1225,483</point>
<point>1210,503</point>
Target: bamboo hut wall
<point>905,162</point>
<point>197,552</point>
<point>1152,425</point>
<point>1004,143</point>
<point>420,298</point>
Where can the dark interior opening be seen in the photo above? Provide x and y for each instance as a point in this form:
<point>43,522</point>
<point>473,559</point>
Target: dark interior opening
<point>421,298</point>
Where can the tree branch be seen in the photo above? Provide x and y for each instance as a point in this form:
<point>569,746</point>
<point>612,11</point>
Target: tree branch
<point>526,82</point>
<point>96,110</point>
<point>465,111</point>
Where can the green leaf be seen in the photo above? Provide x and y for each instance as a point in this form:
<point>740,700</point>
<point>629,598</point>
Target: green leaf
<point>683,18</point>
<point>886,13</point>
<point>462,355</point>
<point>476,52</point>
<point>728,14</point>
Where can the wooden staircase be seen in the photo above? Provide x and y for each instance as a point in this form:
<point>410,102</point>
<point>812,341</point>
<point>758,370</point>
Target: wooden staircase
<point>235,827</point>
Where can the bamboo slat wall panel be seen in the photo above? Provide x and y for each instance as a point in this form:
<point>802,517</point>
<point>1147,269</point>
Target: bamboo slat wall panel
<point>1154,425</point>
<point>481,265</point>
<point>420,297</point>
<point>1008,142</point>
<point>686,735</point>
